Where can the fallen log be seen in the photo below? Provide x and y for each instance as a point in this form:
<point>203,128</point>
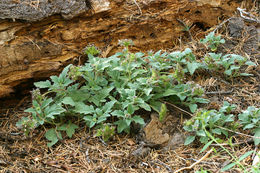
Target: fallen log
<point>38,37</point>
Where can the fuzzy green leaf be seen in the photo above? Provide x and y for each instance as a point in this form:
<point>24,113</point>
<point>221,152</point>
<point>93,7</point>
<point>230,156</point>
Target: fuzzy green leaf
<point>121,125</point>
<point>189,140</point>
<point>193,66</point>
<point>137,119</point>
<point>130,109</point>
<point>68,101</point>
<point>52,136</point>
<point>83,109</point>
<point>193,107</point>
<point>43,84</point>
<point>71,129</point>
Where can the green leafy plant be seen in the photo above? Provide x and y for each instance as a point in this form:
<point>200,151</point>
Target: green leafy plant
<point>250,119</point>
<point>230,63</point>
<point>212,41</point>
<point>91,49</point>
<point>210,122</point>
<point>184,62</point>
<point>106,132</point>
<point>110,90</point>
<point>237,162</point>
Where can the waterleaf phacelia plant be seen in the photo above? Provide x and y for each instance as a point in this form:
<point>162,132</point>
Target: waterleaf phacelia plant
<point>208,123</point>
<point>212,41</point>
<point>230,63</point>
<point>250,119</point>
<point>106,93</point>
<point>110,91</point>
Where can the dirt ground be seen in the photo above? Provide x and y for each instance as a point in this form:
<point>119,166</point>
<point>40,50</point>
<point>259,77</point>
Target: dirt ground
<point>128,153</point>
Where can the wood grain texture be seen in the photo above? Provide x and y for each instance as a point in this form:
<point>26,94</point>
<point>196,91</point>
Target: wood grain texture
<point>33,50</point>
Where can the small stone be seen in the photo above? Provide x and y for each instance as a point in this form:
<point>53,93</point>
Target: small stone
<point>176,140</point>
<point>236,27</point>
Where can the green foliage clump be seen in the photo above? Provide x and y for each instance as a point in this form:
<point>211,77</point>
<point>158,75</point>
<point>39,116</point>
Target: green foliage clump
<point>106,93</point>
<point>110,90</point>
<point>230,63</point>
<point>250,119</point>
<point>212,41</point>
<point>207,122</point>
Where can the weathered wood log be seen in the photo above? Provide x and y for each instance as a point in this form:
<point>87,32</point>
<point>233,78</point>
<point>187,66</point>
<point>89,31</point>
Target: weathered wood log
<point>38,37</point>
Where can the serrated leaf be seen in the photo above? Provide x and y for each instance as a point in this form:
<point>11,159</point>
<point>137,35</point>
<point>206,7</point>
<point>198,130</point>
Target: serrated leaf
<point>46,102</point>
<point>55,109</point>
<point>119,68</point>
<point>55,79</point>
<point>145,106</point>
<point>67,82</point>
<point>68,101</point>
<point>181,96</point>
<point>30,110</point>
<point>189,140</point>
<point>88,118</point>
<point>118,113</point>
<point>170,92</point>
<point>137,119</point>
<point>83,108</point>
<point>99,112</point>
<point>43,84</point>
<point>147,91</point>
<point>192,67</point>
<point>229,118</point>
<point>121,125</point>
<point>71,129</point>
<point>64,72</point>
<point>52,136</point>
<point>128,122</point>
<point>92,124</point>
<point>108,106</point>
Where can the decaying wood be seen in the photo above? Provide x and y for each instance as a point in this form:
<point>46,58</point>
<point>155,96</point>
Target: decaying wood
<point>36,46</point>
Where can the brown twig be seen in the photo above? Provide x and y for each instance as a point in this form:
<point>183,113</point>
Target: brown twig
<point>238,133</point>
<point>164,165</point>
<point>252,18</point>
<point>140,11</point>
<point>178,108</point>
<point>220,92</point>
<point>222,23</point>
<point>191,166</point>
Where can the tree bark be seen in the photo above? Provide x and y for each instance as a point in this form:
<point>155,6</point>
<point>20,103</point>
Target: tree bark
<point>39,37</point>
